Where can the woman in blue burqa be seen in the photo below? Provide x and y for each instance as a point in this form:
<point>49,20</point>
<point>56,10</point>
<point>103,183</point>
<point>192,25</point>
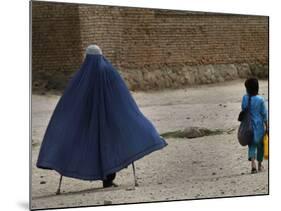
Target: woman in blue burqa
<point>96,128</point>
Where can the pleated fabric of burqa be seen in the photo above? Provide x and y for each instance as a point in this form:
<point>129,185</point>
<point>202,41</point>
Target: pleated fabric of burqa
<point>96,128</point>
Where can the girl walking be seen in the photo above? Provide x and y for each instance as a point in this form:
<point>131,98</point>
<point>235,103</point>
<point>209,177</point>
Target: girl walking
<point>259,120</point>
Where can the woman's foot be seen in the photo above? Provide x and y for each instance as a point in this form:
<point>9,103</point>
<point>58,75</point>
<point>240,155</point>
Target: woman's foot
<point>109,184</point>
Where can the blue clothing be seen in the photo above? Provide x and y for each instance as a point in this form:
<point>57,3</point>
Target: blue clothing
<point>96,128</point>
<point>256,151</point>
<point>258,116</point>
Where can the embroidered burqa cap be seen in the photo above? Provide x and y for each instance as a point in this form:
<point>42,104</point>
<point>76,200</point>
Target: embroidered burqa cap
<point>96,128</point>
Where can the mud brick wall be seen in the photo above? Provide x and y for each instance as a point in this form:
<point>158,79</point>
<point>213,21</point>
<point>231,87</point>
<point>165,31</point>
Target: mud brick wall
<point>103,26</point>
<point>173,37</point>
<point>164,48</point>
<point>151,48</point>
<point>55,44</point>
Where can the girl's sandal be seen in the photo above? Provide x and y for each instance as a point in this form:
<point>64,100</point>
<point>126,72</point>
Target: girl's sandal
<point>254,171</point>
<point>261,169</point>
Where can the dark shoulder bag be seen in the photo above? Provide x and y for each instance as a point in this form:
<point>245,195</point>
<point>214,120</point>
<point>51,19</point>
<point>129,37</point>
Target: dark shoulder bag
<point>245,131</point>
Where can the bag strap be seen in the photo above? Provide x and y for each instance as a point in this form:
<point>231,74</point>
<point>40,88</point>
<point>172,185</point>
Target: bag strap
<point>249,103</point>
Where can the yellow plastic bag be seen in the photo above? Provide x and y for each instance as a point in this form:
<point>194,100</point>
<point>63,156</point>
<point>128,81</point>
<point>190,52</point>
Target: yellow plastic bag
<point>265,146</point>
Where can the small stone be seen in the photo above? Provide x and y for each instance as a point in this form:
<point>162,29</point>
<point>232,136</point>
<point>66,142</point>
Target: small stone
<point>242,173</point>
<point>224,106</point>
<point>107,202</point>
<point>130,188</point>
<point>42,182</point>
<point>188,117</point>
<point>41,176</point>
<point>214,173</point>
<point>159,183</point>
<point>222,192</point>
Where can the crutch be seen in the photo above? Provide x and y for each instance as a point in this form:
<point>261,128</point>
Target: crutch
<point>135,178</point>
<point>58,190</point>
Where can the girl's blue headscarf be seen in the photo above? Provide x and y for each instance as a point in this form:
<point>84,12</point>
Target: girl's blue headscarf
<point>96,128</point>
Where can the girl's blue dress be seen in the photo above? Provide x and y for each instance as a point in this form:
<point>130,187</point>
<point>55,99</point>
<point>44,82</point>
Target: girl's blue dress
<point>96,128</point>
<point>259,117</point>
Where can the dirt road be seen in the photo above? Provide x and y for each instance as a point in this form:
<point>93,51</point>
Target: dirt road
<point>210,166</point>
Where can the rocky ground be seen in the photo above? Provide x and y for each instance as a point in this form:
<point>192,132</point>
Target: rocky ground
<point>210,166</point>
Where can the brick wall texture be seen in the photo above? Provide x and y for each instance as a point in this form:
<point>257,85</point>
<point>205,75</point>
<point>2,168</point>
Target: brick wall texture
<point>151,48</point>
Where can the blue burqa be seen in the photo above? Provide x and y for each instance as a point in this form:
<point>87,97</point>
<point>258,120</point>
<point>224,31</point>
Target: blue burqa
<point>96,128</point>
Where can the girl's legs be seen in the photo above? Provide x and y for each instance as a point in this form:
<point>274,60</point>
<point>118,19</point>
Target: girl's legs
<point>260,166</point>
<point>260,156</point>
<point>252,157</point>
<point>254,167</point>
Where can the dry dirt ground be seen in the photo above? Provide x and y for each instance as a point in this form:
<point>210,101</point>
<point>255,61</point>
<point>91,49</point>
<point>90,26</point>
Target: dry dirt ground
<point>210,166</point>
